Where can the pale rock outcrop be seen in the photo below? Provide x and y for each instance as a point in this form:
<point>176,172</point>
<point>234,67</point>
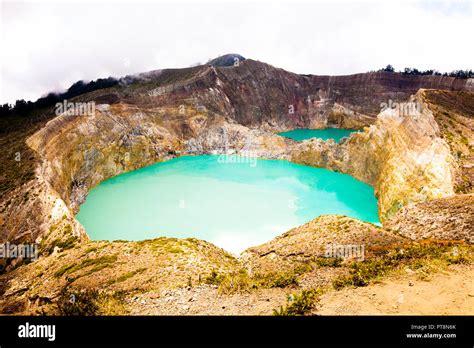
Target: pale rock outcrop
<point>401,155</point>
<point>231,138</point>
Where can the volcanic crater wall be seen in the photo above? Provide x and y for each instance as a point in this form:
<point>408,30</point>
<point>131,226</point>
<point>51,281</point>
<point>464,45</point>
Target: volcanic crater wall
<point>220,109</point>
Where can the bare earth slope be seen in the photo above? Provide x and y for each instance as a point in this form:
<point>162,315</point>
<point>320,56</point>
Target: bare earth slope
<point>447,293</point>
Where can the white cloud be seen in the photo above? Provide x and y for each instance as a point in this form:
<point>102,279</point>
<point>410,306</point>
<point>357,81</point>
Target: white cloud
<point>48,46</point>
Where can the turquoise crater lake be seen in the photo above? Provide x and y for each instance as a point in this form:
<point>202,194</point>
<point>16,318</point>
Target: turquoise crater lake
<point>301,134</point>
<point>231,201</point>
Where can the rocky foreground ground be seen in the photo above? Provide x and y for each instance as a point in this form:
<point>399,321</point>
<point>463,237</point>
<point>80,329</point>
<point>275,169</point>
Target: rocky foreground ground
<point>289,275</point>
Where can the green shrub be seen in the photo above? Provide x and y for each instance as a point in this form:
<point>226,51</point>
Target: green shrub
<point>90,302</point>
<point>236,282</point>
<point>282,280</point>
<point>329,261</point>
<point>126,276</point>
<point>299,304</point>
<point>99,262</point>
<point>241,281</point>
<point>65,244</point>
<point>214,279</point>
<point>417,256</point>
<point>361,273</point>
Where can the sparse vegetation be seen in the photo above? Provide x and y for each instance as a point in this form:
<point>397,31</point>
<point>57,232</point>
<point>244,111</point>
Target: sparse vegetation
<point>241,281</point>
<point>462,74</point>
<point>214,279</point>
<point>103,261</point>
<point>68,243</point>
<point>90,302</point>
<point>23,108</point>
<point>361,273</point>
<point>299,304</point>
<point>282,280</point>
<point>236,282</point>
<point>126,276</point>
<point>423,256</point>
<point>329,261</point>
<point>90,250</point>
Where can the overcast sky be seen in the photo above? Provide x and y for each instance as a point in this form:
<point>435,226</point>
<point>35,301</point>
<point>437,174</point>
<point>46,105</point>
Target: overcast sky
<point>48,46</point>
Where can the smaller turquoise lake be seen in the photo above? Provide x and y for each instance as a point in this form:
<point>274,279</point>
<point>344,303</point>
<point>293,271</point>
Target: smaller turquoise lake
<point>231,201</point>
<point>329,133</point>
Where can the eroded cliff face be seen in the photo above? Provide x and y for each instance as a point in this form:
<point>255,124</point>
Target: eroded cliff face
<point>402,155</point>
<point>454,113</point>
<point>36,213</point>
<point>79,152</point>
<point>260,95</point>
